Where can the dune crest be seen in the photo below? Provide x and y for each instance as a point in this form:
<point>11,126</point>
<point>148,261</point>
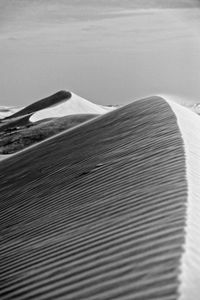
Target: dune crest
<point>60,104</point>
<point>45,118</point>
<point>189,124</point>
<point>47,102</point>
<point>75,105</point>
<point>6,111</point>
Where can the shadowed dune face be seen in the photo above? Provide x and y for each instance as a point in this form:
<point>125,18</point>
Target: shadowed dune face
<point>7,111</point>
<point>14,122</point>
<point>97,212</point>
<point>54,113</point>
<point>13,139</point>
<point>52,100</point>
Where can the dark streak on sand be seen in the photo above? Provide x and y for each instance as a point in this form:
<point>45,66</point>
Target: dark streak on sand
<point>42,104</point>
<point>6,125</point>
<point>115,233</point>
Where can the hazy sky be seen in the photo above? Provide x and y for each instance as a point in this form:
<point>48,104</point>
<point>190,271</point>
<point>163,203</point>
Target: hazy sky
<point>108,51</point>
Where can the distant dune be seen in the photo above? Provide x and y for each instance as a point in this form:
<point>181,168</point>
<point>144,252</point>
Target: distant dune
<point>52,100</point>
<point>13,139</point>
<point>57,105</point>
<point>75,105</point>
<point>11,123</point>
<point>7,111</point>
<point>45,118</point>
<point>106,210</point>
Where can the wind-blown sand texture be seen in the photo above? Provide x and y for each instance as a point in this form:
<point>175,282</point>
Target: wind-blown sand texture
<point>107,210</point>
<point>13,139</point>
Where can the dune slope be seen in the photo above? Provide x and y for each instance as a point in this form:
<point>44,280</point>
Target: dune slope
<point>97,212</point>
<point>9,124</point>
<point>189,124</point>
<point>52,100</point>
<point>6,111</point>
<point>75,105</point>
<point>64,109</point>
<point>13,139</point>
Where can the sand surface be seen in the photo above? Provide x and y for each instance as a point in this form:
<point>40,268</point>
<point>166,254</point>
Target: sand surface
<point>75,105</point>
<point>97,212</point>
<point>189,124</point>
<point>6,111</point>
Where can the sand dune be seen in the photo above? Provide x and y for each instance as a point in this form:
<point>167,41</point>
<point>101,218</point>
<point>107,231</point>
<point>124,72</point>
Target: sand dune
<point>13,112</point>
<point>55,113</point>
<point>50,101</point>
<point>98,212</point>
<point>189,124</point>
<point>14,122</point>
<point>61,104</point>
<point>196,108</point>
<point>75,105</point>
<point>4,156</point>
<point>6,111</point>
<point>19,133</point>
